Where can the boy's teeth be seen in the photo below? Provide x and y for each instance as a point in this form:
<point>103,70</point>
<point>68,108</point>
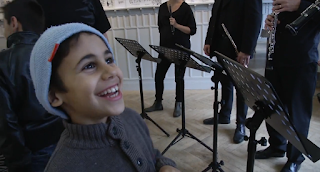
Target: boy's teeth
<point>111,90</point>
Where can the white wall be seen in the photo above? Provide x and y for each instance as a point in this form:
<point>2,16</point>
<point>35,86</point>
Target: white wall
<point>141,25</point>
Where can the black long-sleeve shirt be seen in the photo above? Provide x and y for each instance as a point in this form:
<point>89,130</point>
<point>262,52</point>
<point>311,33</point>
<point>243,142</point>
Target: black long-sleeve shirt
<point>183,16</point>
<point>300,49</point>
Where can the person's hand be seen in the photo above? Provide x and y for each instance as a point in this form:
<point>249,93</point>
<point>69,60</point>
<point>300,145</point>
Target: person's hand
<point>243,59</point>
<point>206,49</point>
<point>168,168</point>
<point>285,5</point>
<point>269,22</point>
<point>319,63</point>
<point>173,22</point>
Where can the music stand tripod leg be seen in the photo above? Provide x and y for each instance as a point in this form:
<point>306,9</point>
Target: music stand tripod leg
<point>182,59</point>
<point>193,137</point>
<point>215,165</point>
<point>253,125</point>
<point>144,115</point>
<point>174,141</point>
<point>183,131</point>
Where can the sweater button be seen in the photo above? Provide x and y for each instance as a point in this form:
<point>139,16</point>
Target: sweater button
<point>114,130</point>
<point>139,162</point>
<point>126,145</point>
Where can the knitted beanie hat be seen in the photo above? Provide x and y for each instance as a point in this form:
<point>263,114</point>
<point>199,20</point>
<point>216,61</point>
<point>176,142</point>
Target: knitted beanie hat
<point>43,53</point>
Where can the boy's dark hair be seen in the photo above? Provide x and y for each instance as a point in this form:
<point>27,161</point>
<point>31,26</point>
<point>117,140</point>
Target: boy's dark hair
<point>28,12</point>
<point>63,51</point>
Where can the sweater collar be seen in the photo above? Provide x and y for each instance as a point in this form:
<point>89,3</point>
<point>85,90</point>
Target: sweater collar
<point>95,135</point>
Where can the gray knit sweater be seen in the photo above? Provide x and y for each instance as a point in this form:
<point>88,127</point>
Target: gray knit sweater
<point>121,145</point>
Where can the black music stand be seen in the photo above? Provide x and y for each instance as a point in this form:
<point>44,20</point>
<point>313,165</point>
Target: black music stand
<point>138,51</point>
<point>217,68</point>
<point>183,59</point>
<point>262,98</point>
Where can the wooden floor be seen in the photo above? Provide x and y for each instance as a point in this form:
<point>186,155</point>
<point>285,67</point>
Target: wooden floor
<point>191,156</point>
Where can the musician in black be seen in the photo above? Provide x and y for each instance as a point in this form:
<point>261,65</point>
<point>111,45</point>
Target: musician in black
<point>175,29</point>
<point>295,74</point>
<point>243,20</point>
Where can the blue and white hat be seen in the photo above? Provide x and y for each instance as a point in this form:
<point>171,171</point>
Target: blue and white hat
<point>43,53</point>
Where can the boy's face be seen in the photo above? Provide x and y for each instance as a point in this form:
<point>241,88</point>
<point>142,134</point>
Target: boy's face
<point>7,29</point>
<point>93,82</point>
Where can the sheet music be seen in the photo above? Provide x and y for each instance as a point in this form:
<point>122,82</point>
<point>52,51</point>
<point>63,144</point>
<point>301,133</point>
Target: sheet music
<point>120,3</point>
<point>143,3</point>
<point>4,2</point>
<point>107,4</point>
<point>198,1</point>
<point>123,4</point>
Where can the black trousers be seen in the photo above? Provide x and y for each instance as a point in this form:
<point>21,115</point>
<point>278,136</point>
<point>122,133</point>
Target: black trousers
<point>295,86</point>
<point>227,98</point>
<point>161,71</point>
<point>224,46</point>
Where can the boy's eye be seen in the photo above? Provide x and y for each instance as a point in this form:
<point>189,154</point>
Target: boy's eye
<point>89,66</point>
<point>109,60</point>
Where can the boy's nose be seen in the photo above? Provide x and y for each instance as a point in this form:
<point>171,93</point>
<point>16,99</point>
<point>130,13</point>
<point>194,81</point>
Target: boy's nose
<point>108,72</point>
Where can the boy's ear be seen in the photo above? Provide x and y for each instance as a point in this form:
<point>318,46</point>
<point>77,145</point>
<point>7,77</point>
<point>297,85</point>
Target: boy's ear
<point>14,23</point>
<point>54,99</point>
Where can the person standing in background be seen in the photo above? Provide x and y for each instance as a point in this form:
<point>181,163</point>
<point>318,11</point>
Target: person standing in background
<point>243,20</point>
<point>89,12</point>
<point>295,74</point>
<point>176,24</point>
<point>28,133</point>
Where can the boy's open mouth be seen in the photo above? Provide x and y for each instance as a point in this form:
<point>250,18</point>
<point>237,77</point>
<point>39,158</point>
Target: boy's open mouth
<point>110,92</point>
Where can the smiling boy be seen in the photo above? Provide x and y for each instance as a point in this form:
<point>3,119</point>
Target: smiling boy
<point>75,77</point>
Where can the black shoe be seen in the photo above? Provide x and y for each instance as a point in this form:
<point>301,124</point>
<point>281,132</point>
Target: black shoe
<point>210,121</point>
<point>177,109</point>
<point>291,167</point>
<point>268,153</point>
<point>239,134</point>
<point>157,106</point>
